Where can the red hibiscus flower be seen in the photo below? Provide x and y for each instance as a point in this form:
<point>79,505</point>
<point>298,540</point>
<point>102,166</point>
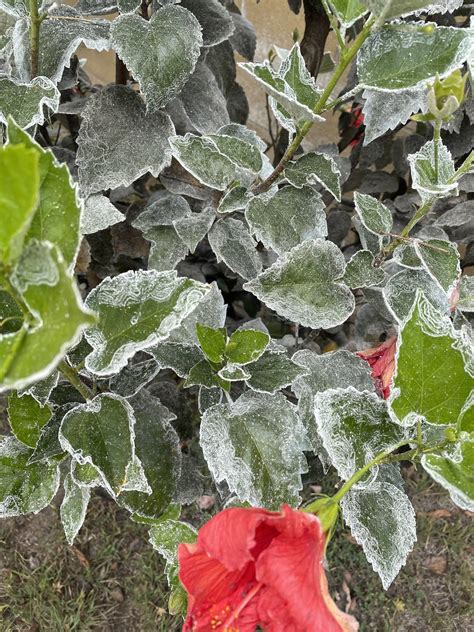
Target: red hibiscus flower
<point>382,363</point>
<point>252,567</point>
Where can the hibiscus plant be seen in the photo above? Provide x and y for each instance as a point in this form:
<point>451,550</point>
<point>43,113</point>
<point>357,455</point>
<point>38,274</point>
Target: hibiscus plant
<point>187,309</point>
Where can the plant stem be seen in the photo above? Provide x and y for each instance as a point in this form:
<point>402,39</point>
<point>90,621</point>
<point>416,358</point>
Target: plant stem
<point>34,37</point>
<point>437,140</point>
<point>387,456</point>
<point>420,213</point>
<point>72,376</point>
<point>334,25</point>
<point>346,57</point>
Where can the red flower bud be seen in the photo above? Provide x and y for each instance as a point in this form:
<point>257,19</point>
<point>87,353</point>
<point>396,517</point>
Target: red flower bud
<point>252,567</point>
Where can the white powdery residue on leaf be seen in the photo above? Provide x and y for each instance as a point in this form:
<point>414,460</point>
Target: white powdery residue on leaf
<point>232,243</point>
<point>99,213</point>
<point>24,101</point>
<point>303,285</point>
<point>238,442</point>
<point>201,157</point>
<point>137,310</point>
<point>118,141</point>
<point>382,520</point>
<point>400,292</point>
<point>160,53</point>
<point>24,488</point>
<point>60,35</point>
<point>428,181</point>
<point>203,101</point>
<point>73,507</point>
<point>287,218</point>
<point>384,111</point>
<point>354,426</point>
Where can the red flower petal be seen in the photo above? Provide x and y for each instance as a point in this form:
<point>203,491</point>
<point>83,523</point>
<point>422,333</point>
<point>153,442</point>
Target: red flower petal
<point>278,582</point>
<point>231,535</point>
<point>382,362</point>
<point>292,572</point>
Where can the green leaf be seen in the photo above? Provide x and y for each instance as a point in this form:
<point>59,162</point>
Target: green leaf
<point>48,445</point>
<point>201,157</point>
<point>441,259</point>
<point>374,215</point>
<point>241,152</point>
<point>272,372</point>
<point>361,272</point>
<point>115,124</point>
<point>19,177</point>
<point>292,87</point>
<point>24,488</point>
<point>215,20</point>
<point>394,8</point>
<point>99,213</point>
<point>11,317</point>
<point>85,475</point>
<point>236,199</point>
<point>213,342</point>
<point>161,53</point>
<point>158,447</point>
<point>403,55</point>
<point>382,519</point>
<point>59,37</point>
<point>455,474</point>
<point>136,311</point>
<point>57,318</point>
<point>431,381</point>
<point>466,294</point>
<point>428,181</point>
<point>246,345</point>
<point>339,369</point>
<point>233,373</point>
<point>27,417</point>
<point>24,102</point>
<point>238,442</point>
<point>101,432</point>
<point>348,11</point>
<point>354,427</point>
<point>57,218</point>
<point>405,255</point>
<point>285,219</point>
<point>165,537</point>
<point>193,229</point>
<point>303,286</point>
<point>167,248</point>
<point>314,168</point>
<point>295,74</point>
<point>180,357</point>
<point>232,243</point>
<point>134,377</point>
<point>202,374</point>
<point>73,507</point>
<point>400,292</point>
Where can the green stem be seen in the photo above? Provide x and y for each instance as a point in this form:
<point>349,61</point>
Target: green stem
<point>34,37</point>
<point>346,57</point>
<point>420,213</point>
<point>334,25</point>
<point>437,140</point>
<point>387,456</point>
<point>72,376</point>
